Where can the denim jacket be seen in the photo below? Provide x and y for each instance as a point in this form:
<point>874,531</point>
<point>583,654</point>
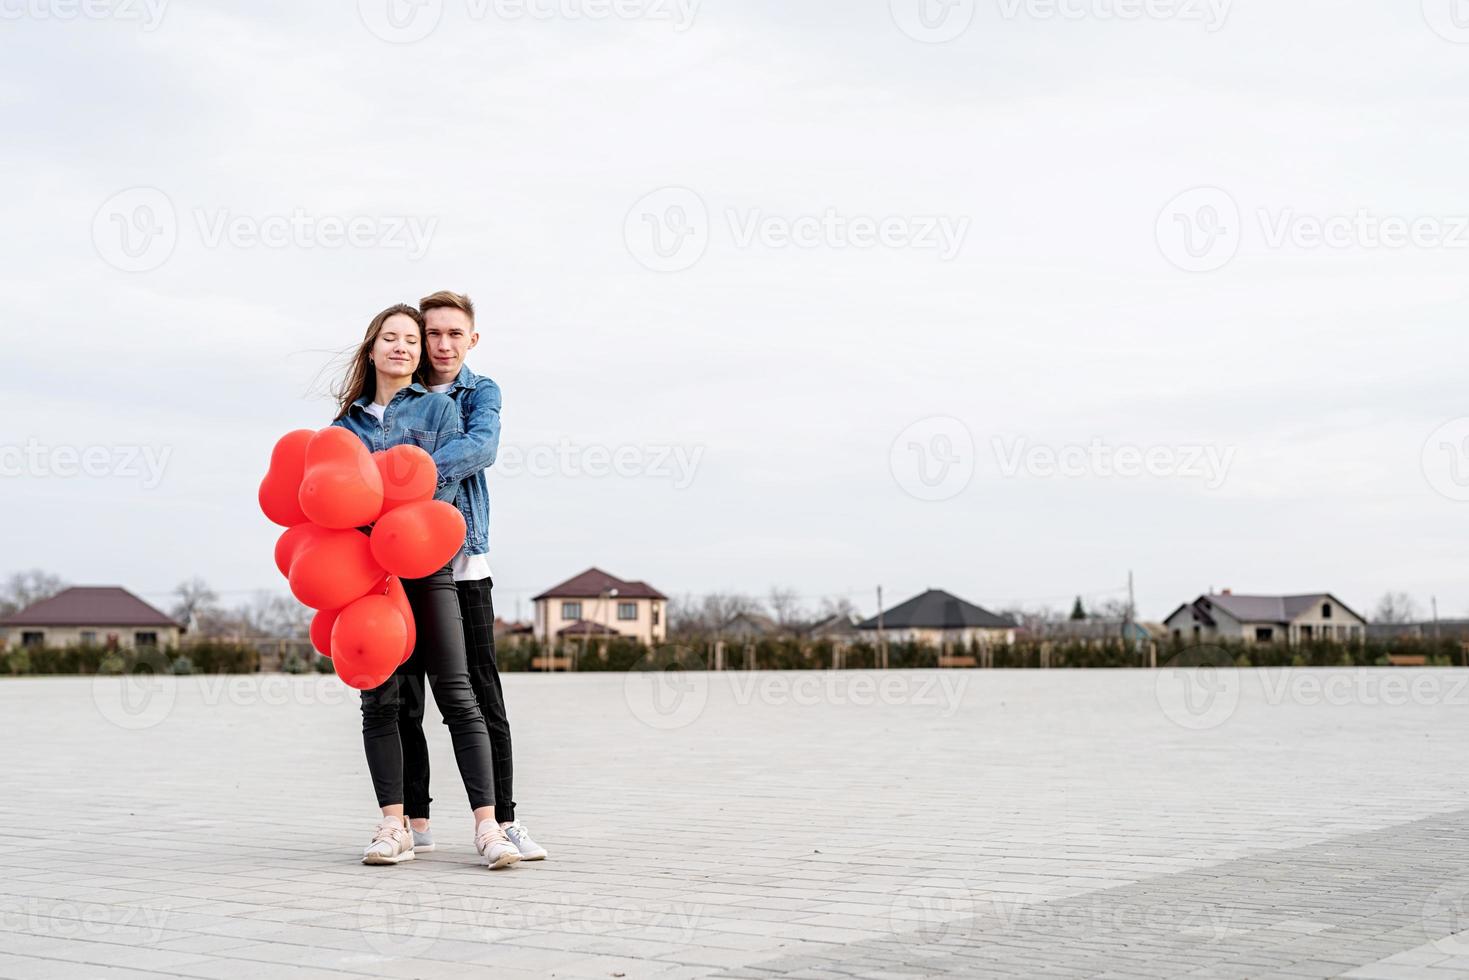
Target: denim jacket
<point>415,417</point>
<point>463,461</point>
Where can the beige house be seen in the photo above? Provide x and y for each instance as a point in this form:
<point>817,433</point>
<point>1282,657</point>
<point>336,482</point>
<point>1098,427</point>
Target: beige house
<point>1306,618</point>
<point>595,604</point>
<point>940,619</point>
<point>100,616</point>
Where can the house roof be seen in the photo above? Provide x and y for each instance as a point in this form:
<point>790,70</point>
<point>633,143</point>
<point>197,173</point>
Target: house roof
<point>1278,609</point>
<point>593,582</point>
<point>90,605</point>
<point>585,627</point>
<point>937,609</point>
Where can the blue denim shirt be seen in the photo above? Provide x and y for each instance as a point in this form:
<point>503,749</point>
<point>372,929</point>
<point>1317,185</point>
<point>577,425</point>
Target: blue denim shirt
<point>414,417</point>
<point>463,461</point>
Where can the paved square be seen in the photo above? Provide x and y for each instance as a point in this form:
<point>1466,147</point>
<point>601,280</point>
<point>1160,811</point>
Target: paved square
<point>973,823</point>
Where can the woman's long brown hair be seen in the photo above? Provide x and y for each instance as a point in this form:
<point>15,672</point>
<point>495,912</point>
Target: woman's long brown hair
<point>361,377</point>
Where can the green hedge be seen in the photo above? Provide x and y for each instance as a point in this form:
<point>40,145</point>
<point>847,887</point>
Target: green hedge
<point>199,658</point>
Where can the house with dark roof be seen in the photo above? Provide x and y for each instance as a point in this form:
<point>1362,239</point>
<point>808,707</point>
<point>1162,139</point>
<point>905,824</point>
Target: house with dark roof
<point>90,615</point>
<point>596,604</point>
<point>940,619</point>
<point>1305,618</point>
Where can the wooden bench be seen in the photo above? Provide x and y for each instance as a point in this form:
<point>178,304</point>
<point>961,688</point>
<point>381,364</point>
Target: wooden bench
<point>559,662</point>
<point>1407,659</point>
<point>957,660</point>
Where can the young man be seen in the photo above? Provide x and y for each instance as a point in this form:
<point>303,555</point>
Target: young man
<point>449,335</point>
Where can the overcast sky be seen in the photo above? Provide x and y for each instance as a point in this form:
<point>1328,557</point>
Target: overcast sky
<point>839,293</point>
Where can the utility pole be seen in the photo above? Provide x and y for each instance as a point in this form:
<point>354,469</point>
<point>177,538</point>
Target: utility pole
<point>882,643</point>
<point>1131,610</point>
<point>1434,600</point>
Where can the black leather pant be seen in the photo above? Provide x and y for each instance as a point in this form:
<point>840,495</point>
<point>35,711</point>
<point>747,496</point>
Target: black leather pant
<point>478,607</point>
<point>439,658</point>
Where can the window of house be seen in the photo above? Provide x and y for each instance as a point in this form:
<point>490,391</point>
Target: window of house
<point>32,639</point>
<point>89,638</point>
<point>1326,610</point>
<point>145,639</point>
<point>571,610</point>
<point>627,610</point>
<point>655,615</point>
<point>1264,634</point>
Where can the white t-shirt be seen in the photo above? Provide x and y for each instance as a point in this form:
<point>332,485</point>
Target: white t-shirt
<point>467,568</point>
<point>376,410</point>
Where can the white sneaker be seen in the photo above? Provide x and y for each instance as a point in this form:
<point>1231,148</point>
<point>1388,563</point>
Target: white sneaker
<point>392,843</point>
<point>524,842</point>
<point>423,841</point>
<point>493,846</point>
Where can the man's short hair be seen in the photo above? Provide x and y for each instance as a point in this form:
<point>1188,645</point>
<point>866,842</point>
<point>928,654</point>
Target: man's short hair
<point>446,299</point>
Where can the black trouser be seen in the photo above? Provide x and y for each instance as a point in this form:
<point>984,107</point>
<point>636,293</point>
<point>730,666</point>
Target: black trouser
<point>439,656</point>
<point>484,675</point>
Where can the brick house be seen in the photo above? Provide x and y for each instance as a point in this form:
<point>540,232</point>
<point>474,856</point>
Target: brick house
<point>595,604</point>
<point>89,615</point>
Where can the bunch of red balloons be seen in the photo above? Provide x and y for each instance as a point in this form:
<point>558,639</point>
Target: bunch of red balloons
<point>326,489</point>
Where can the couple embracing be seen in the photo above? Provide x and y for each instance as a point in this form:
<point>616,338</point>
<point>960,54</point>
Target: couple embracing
<point>408,384</point>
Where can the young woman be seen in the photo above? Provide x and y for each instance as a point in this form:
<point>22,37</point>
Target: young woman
<point>383,402</point>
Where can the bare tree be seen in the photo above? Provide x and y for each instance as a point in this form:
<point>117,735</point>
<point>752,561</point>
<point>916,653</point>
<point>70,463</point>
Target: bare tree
<point>785,606</point>
<point>838,606</point>
<point>196,601</point>
<point>22,589</point>
<point>706,614</point>
<point>1395,607</point>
